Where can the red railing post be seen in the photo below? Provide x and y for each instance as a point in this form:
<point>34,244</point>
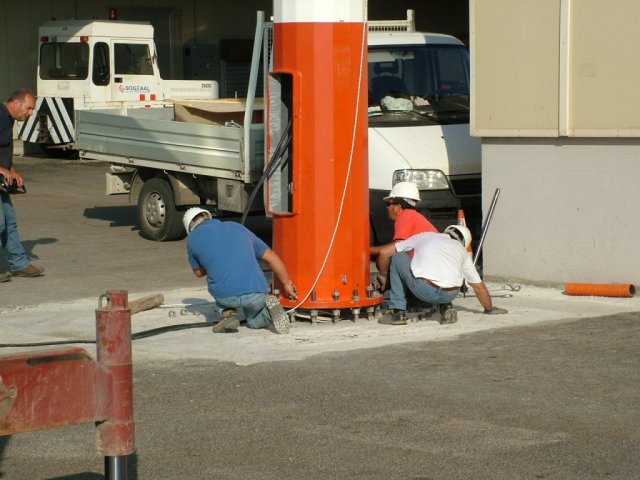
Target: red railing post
<point>114,386</point>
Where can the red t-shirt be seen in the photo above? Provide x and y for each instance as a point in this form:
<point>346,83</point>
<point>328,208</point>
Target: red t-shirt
<point>410,222</point>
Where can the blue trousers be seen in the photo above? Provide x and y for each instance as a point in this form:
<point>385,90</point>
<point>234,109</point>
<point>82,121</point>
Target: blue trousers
<point>403,281</point>
<point>252,306</point>
<point>14,252</point>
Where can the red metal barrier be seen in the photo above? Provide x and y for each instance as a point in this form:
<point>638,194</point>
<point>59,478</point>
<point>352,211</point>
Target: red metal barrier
<point>58,387</point>
<point>46,389</point>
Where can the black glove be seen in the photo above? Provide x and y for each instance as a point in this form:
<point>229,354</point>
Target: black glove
<point>495,311</point>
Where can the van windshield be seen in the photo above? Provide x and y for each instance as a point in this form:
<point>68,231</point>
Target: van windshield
<point>64,61</point>
<point>420,84</point>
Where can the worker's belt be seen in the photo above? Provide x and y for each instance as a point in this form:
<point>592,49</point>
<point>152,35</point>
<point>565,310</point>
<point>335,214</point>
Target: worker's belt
<point>429,282</point>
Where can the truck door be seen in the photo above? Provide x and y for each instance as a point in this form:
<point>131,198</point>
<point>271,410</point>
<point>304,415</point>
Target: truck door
<point>135,73</point>
<point>100,89</point>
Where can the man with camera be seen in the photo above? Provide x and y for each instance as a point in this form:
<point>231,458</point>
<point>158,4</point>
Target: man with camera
<point>19,106</point>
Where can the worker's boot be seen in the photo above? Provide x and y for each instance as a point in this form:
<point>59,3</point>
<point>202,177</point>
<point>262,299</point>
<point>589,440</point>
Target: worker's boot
<point>29,271</point>
<point>5,277</point>
<point>448,314</point>
<point>229,322</point>
<point>394,317</point>
<point>279,318</point>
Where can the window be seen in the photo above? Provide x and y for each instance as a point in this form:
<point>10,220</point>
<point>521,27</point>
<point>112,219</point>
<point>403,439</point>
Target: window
<point>64,61</point>
<point>418,84</point>
<point>101,64</point>
<point>132,59</point>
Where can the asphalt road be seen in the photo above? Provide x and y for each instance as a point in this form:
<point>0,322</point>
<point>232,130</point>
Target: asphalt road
<point>550,401</point>
<point>545,402</point>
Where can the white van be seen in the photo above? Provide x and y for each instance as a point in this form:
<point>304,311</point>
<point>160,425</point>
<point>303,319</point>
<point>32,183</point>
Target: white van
<point>419,89</point>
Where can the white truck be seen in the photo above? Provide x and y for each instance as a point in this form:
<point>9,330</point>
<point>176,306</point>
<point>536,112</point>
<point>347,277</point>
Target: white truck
<point>174,154</point>
<point>97,65</point>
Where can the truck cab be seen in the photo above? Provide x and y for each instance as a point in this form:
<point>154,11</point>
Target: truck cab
<point>419,124</point>
<point>98,64</point>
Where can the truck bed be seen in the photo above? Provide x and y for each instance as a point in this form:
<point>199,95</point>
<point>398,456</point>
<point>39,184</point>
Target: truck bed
<point>150,138</point>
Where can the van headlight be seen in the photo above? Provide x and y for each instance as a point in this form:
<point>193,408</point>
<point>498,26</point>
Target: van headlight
<point>424,179</point>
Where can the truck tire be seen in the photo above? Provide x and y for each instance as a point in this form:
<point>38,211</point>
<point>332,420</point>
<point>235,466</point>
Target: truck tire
<point>158,217</point>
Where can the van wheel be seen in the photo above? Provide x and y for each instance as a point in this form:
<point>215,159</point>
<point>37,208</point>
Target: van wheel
<point>158,216</point>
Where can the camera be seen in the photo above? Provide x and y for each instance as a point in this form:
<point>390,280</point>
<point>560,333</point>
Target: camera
<point>10,188</point>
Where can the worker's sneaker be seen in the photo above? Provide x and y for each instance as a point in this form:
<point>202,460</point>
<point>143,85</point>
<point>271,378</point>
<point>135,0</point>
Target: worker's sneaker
<point>279,318</point>
<point>5,277</point>
<point>448,314</point>
<point>29,271</point>
<point>229,322</point>
<point>394,317</point>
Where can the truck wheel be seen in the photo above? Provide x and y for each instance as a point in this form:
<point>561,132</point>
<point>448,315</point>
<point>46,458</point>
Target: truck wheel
<point>157,214</point>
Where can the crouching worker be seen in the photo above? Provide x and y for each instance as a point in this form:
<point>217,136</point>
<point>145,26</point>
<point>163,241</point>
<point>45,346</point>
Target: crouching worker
<point>227,253</point>
<point>435,273</point>
<point>407,221</point>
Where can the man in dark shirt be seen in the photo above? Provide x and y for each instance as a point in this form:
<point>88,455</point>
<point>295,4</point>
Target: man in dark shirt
<point>19,106</point>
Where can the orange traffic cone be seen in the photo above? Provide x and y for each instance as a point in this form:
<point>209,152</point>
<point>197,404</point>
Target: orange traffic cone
<point>461,219</point>
<point>463,222</point>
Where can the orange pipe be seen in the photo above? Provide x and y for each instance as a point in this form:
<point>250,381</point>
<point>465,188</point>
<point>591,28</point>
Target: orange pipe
<point>600,290</point>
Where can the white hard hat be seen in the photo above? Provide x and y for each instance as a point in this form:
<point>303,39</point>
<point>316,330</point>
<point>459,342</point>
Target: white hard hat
<point>460,233</point>
<point>408,191</point>
<point>190,215</point>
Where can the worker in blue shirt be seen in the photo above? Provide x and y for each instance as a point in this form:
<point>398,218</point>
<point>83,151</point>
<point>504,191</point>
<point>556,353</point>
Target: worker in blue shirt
<point>227,253</point>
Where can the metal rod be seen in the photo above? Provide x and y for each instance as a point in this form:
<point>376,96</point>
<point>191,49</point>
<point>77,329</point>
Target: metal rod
<point>184,305</point>
<point>485,227</point>
<point>115,468</point>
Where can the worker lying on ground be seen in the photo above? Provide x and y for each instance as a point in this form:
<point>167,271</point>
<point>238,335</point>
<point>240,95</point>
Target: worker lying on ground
<point>401,208</point>
<point>435,273</point>
<point>227,253</point>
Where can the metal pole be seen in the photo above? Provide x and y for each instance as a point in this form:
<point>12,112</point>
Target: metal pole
<point>486,225</point>
<point>115,468</point>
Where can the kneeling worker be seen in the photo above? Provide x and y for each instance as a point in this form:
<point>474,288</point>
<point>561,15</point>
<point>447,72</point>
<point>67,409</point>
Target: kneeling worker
<point>227,254</point>
<point>401,208</point>
<point>435,273</point>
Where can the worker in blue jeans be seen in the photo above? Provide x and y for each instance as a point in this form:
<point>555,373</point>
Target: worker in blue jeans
<point>227,253</point>
<point>434,275</point>
<point>19,106</point>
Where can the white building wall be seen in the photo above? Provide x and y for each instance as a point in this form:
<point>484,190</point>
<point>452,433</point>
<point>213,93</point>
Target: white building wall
<point>555,99</point>
<point>567,210</point>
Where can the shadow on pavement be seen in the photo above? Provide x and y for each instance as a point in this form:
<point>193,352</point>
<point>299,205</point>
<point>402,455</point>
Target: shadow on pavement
<point>81,476</point>
<point>121,216</point>
<point>29,247</point>
<point>132,472</point>
<point>132,466</point>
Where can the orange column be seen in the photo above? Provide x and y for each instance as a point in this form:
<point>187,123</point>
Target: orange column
<point>323,236</point>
